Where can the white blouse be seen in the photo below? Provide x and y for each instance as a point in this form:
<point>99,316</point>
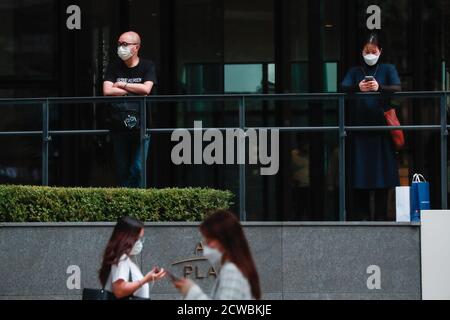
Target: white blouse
<point>122,271</point>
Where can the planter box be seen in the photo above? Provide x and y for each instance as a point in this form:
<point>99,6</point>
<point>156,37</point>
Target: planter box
<point>294,260</point>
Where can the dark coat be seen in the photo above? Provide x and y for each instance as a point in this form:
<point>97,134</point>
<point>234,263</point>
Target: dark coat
<point>372,160</point>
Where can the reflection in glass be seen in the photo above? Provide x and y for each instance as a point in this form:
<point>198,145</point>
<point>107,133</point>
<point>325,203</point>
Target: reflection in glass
<point>20,162</point>
<point>243,78</point>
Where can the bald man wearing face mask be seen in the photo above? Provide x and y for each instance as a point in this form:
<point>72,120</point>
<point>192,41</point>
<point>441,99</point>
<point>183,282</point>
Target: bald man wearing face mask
<point>128,75</point>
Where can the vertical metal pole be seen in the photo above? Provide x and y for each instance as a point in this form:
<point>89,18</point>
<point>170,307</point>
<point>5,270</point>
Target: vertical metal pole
<point>242,175</point>
<point>142,141</point>
<point>444,75</point>
<point>342,136</point>
<point>45,142</point>
<point>444,135</point>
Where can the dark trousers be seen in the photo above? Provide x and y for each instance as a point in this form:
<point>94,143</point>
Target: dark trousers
<point>127,154</point>
<point>368,205</point>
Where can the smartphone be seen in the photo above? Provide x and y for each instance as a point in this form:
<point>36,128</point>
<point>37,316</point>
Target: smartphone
<point>173,277</point>
<point>369,78</point>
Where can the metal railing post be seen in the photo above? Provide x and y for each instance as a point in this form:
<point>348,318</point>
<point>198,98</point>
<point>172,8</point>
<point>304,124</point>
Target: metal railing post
<point>242,174</point>
<point>342,137</point>
<point>444,136</point>
<point>45,142</point>
<point>143,139</point>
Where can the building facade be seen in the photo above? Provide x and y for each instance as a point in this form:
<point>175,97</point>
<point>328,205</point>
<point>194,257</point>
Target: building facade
<point>218,47</point>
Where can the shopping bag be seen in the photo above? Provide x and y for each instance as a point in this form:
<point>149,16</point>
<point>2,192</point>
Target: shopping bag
<point>402,204</point>
<point>419,196</point>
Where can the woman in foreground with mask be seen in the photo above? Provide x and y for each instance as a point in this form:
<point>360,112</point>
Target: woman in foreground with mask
<point>372,164</point>
<point>118,273</point>
<point>225,243</point>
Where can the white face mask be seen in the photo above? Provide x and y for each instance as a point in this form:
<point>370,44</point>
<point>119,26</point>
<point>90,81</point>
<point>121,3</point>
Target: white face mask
<point>137,248</point>
<point>124,53</point>
<point>213,255</point>
<point>371,59</point>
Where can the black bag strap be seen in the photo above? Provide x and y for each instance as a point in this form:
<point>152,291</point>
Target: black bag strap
<point>130,279</point>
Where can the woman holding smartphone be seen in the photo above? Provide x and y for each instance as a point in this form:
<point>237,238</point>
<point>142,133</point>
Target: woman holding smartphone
<point>372,164</point>
<point>118,273</point>
<point>224,242</point>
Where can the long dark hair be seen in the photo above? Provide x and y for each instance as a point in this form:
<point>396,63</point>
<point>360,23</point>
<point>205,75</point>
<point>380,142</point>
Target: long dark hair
<point>223,226</point>
<point>125,234</point>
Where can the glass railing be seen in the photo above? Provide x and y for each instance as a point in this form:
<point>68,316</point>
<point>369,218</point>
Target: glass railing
<point>248,109</point>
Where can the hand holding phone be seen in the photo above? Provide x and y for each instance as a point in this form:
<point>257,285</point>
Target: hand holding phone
<point>173,277</point>
<point>182,284</point>
<point>369,78</point>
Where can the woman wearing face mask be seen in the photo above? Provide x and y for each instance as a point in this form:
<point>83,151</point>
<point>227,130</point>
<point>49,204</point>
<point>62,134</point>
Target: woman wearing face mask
<point>225,243</point>
<point>118,273</point>
<point>372,164</point>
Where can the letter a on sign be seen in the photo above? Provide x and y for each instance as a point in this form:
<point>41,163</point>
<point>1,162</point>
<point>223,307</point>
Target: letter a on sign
<point>74,20</point>
<point>374,21</point>
<point>374,281</point>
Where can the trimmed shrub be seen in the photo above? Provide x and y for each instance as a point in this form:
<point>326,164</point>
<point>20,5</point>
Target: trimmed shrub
<point>50,204</point>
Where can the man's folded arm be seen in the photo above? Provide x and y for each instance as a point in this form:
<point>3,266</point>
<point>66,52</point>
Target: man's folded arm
<point>140,88</point>
<point>110,90</point>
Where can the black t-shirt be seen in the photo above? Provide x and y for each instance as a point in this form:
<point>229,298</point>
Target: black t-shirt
<point>118,71</point>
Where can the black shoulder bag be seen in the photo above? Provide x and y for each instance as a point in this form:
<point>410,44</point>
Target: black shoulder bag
<point>102,294</point>
<point>97,294</point>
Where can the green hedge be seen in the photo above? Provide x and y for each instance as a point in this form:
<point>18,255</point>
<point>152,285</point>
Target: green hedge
<point>49,204</point>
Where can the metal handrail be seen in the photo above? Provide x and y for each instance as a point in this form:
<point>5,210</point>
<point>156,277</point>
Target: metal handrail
<point>222,97</point>
<point>241,100</point>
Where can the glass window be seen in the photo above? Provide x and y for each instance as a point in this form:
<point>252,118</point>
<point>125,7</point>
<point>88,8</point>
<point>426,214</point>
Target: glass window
<point>331,77</point>
<point>300,75</point>
<point>27,39</point>
<point>248,31</point>
<point>243,78</point>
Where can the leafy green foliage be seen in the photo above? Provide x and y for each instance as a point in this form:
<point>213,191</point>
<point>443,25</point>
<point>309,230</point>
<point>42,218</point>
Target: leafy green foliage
<point>50,204</point>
